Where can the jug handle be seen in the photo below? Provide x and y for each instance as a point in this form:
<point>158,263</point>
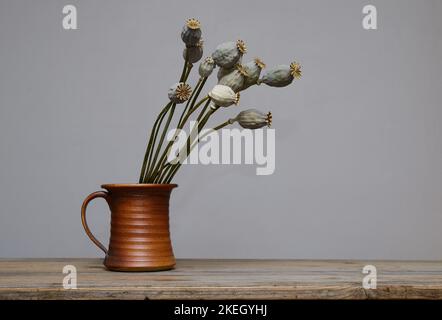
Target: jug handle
<point>97,194</point>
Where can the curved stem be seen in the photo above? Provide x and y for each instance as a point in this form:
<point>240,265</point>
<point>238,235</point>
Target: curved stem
<point>189,101</point>
<point>157,178</point>
<point>195,95</point>
<point>174,168</point>
<point>164,171</point>
<point>152,147</point>
<point>220,126</point>
<point>166,127</point>
<point>203,111</point>
<point>161,163</point>
<point>184,72</point>
<point>189,68</point>
<point>193,109</point>
<point>147,163</point>
<point>153,133</point>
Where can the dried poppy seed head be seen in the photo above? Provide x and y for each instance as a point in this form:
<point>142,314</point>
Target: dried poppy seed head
<point>259,63</point>
<point>179,92</point>
<point>183,91</point>
<point>295,70</point>
<point>193,24</point>
<point>241,45</point>
<point>242,70</point>
<point>228,54</point>
<point>193,53</point>
<point>206,67</point>
<point>223,96</point>
<point>253,119</point>
<point>280,76</point>
<point>253,69</point>
<point>235,79</point>
<point>191,32</point>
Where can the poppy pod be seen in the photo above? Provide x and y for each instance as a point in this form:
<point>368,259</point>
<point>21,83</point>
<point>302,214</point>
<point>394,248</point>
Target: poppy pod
<point>228,54</point>
<point>191,33</point>
<point>193,53</point>
<point>235,79</point>
<point>179,92</point>
<point>281,76</point>
<point>223,96</point>
<point>206,67</point>
<point>253,119</point>
<point>253,69</point>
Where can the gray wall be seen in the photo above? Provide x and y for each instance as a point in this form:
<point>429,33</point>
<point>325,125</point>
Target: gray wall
<point>358,139</point>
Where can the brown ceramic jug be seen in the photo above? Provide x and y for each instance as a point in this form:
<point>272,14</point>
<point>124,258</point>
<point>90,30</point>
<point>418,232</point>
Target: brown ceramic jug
<point>139,233</point>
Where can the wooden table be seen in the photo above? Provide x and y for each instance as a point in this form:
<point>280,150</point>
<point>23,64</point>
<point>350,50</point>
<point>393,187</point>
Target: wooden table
<point>223,279</point>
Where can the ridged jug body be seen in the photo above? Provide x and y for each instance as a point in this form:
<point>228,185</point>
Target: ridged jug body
<point>139,232</point>
<point>139,235</point>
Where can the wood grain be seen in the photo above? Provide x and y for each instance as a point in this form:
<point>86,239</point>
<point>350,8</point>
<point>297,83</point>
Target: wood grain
<point>223,279</point>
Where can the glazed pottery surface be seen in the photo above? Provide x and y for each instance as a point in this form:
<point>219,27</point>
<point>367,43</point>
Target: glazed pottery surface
<point>139,232</point>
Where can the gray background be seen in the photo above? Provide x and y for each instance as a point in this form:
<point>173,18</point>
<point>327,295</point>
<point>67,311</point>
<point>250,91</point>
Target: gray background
<point>358,139</point>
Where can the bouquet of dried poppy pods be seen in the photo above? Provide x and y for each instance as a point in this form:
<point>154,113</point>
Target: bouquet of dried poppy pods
<point>233,77</point>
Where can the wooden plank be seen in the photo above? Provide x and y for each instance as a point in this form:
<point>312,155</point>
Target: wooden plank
<point>223,279</point>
